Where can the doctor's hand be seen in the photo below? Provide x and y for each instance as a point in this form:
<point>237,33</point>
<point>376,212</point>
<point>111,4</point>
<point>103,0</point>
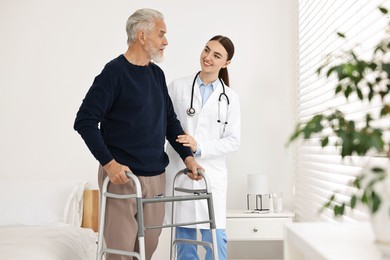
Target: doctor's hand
<point>116,172</point>
<point>188,141</point>
<point>193,166</point>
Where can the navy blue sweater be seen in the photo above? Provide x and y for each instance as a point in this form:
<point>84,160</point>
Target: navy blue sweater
<point>135,113</point>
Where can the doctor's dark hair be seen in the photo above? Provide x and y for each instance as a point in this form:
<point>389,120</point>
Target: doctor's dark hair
<point>141,19</point>
<point>229,47</point>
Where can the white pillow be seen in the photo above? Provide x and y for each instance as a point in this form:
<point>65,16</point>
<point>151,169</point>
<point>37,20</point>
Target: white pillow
<point>41,203</point>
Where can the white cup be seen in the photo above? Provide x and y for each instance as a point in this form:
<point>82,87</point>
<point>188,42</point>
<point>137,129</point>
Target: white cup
<point>277,198</point>
<point>271,203</point>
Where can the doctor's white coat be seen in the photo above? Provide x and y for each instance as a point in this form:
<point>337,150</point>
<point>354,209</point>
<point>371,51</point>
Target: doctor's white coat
<point>216,140</point>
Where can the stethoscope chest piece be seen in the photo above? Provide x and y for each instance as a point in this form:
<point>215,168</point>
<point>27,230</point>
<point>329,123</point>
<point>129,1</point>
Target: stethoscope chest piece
<point>191,111</point>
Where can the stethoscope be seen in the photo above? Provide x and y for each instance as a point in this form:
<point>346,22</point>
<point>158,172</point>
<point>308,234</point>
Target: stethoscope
<point>191,110</point>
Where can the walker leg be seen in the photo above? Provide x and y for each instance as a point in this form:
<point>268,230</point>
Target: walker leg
<point>214,243</point>
<point>141,228</point>
<point>213,228</point>
<point>102,215</point>
<point>138,196</point>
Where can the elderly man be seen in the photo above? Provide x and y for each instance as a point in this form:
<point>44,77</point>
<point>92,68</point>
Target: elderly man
<point>129,100</point>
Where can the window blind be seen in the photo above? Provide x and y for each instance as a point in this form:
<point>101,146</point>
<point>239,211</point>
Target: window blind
<point>318,172</point>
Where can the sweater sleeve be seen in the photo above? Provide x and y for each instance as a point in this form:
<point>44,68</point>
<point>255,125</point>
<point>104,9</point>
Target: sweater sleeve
<point>95,104</point>
<point>174,129</point>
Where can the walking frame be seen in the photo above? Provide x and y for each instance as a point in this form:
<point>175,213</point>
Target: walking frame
<point>191,194</point>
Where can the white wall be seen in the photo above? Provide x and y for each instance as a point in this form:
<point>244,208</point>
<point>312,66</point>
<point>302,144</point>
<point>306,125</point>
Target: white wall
<point>50,52</point>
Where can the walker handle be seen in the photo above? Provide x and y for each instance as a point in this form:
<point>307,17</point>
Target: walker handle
<point>201,173</point>
<point>186,170</point>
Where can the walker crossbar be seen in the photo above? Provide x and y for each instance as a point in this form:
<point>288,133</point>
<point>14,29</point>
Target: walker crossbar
<point>176,198</point>
<point>117,196</point>
<point>199,191</point>
<point>198,194</point>
<point>195,242</point>
<point>119,252</point>
<point>178,224</point>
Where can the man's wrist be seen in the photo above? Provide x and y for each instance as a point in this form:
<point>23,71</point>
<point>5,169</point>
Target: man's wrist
<point>188,158</point>
<point>109,164</point>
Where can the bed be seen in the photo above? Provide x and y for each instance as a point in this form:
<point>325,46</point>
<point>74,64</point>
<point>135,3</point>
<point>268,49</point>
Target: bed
<point>48,220</point>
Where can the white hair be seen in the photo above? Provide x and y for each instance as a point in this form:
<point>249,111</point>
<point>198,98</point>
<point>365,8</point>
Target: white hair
<point>141,19</point>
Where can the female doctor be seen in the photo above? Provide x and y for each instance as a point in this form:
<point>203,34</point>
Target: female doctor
<point>209,112</point>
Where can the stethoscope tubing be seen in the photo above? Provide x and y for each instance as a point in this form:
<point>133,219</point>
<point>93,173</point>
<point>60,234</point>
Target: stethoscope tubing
<point>191,110</point>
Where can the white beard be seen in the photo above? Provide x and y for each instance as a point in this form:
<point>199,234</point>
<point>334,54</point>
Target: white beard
<point>154,54</point>
<point>158,58</point>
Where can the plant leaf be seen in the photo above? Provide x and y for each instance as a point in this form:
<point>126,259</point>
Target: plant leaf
<point>325,141</point>
<point>353,201</point>
<point>377,170</point>
<point>338,210</point>
<point>386,67</point>
<point>383,9</point>
<point>341,35</point>
<point>359,93</point>
<point>376,202</point>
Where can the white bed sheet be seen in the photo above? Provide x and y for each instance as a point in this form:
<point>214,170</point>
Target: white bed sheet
<point>47,243</point>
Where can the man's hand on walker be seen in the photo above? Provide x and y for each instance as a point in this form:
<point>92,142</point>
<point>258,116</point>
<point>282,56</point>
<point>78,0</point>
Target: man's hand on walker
<point>194,167</point>
<point>116,172</point>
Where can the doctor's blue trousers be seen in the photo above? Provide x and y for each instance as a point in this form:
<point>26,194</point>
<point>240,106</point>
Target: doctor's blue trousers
<point>189,251</point>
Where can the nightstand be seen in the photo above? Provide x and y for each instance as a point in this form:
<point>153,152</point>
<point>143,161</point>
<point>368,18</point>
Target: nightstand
<point>256,235</point>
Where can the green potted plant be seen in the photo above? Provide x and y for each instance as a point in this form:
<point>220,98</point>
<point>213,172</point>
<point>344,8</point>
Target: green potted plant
<point>369,80</point>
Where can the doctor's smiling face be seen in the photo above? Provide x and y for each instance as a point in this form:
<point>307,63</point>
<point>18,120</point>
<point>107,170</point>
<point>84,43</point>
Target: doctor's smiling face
<point>213,57</point>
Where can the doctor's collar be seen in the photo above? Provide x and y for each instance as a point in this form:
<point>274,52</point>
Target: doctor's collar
<point>213,84</point>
